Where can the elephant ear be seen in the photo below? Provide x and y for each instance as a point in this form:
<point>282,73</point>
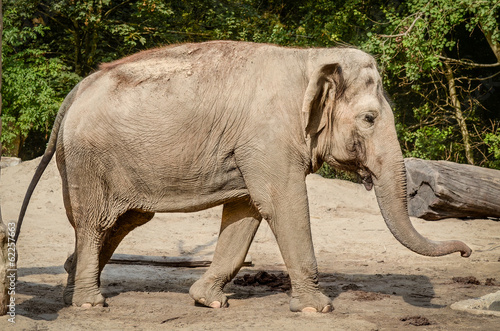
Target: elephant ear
<point>319,98</point>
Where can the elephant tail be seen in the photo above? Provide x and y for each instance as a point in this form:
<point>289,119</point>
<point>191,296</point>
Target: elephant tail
<point>47,156</point>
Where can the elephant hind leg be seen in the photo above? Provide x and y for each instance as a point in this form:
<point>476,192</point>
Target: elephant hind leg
<point>82,288</point>
<point>240,221</point>
<point>111,239</point>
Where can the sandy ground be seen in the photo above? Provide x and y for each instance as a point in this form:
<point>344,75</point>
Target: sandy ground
<point>373,280</point>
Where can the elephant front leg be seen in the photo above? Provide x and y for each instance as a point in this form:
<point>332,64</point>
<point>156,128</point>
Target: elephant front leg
<point>291,227</point>
<point>240,221</point>
<point>284,205</point>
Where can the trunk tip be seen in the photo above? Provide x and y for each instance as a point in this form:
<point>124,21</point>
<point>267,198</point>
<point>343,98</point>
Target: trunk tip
<point>466,252</point>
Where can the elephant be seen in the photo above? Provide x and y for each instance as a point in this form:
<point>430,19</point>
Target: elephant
<point>191,126</point>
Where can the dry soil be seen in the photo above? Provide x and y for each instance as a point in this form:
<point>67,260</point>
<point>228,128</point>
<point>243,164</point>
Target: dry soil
<point>375,282</point>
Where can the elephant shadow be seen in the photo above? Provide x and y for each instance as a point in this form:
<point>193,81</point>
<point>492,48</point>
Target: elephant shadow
<point>45,300</point>
<point>416,290</point>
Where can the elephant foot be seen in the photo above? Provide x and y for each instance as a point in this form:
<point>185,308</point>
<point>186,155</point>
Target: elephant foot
<point>88,301</point>
<point>311,302</point>
<point>208,293</point>
<point>84,300</point>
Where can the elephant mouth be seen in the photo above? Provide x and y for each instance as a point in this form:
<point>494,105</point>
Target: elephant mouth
<point>365,174</point>
<point>368,182</point>
<point>366,179</point>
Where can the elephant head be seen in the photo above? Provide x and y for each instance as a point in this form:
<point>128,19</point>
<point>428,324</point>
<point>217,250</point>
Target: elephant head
<point>349,124</point>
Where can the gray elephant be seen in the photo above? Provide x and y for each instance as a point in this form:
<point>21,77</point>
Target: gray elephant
<point>188,127</point>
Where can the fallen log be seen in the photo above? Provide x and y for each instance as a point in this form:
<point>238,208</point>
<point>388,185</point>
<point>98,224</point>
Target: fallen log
<point>167,261</point>
<point>442,189</point>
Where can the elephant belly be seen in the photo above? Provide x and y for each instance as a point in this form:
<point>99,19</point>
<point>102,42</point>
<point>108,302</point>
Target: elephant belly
<point>175,186</point>
<point>206,191</point>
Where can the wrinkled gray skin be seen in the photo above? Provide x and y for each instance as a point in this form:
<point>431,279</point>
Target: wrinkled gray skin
<point>189,127</point>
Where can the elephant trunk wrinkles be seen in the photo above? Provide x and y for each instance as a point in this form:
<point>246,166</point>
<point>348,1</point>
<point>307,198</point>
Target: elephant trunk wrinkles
<point>390,189</point>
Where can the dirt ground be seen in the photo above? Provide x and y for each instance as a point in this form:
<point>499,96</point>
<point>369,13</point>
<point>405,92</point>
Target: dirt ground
<point>375,282</point>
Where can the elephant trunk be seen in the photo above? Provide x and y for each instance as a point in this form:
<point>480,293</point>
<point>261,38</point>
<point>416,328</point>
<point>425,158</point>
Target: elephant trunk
<point>390,189</point>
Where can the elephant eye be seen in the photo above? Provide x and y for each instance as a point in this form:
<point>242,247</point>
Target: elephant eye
<point>369,118</point>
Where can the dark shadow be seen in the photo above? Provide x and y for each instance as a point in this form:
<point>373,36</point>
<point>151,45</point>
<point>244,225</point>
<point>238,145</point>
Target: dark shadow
<point>44,304</point>
<point>46,300</point>
<point>416,290</point>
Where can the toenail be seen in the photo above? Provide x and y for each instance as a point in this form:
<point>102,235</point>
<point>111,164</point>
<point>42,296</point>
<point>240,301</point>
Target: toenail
<point>215,304</point>
<point>327,309</point>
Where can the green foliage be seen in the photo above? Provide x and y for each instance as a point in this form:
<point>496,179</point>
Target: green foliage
<point>426,142</point>
<point>50,44</point>
<point>86,33</point>
<point>492,140</point>
<point>33,86</point>
<point>423,30</point>
<point>416,43</point>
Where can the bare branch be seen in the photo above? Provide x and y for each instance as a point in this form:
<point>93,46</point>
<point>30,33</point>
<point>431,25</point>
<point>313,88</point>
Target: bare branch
<point>468,63</point>
<point>419,16</point>
<point>115,7</point>
<point>187,33</point>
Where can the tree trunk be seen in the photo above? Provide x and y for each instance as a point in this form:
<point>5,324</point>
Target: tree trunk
<point>442,189</point>
<point>495,46</point>
<point>455,103</point>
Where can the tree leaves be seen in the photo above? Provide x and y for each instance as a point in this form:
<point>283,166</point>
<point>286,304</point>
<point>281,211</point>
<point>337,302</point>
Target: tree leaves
<point>47,42</point>
<point>418,46</point>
